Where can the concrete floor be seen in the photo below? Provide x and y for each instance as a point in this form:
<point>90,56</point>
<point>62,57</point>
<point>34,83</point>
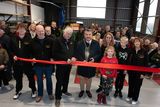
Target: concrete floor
<point>149,96</point>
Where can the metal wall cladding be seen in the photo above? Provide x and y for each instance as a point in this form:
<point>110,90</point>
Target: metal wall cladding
<point>121,17</point>
<point>124,14</point>
<point>110,13</point>
<point>125,3</point>
<point>111,3</point>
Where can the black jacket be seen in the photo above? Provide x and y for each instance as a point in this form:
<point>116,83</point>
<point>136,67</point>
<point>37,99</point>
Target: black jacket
<point>42,49</point>
<point>56,32</point>
<point>95,52</point>
<point>139,59</point>
<point>21,47</point>
<point>5,41</point>
<point>150,54</point>
<point>123,55</point>
<point>63,50</point>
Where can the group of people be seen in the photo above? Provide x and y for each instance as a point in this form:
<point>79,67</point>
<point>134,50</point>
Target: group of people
<point>48,43</point>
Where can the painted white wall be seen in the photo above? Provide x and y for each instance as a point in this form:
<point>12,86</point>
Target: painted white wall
<point>37,13</point>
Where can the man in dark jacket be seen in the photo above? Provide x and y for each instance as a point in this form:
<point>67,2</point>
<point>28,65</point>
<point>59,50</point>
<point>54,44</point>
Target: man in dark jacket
<point>64,50</point>
<point>88,50</point>
<point>42,49</point>
<point>51,36</point>
<point>21,47</point>
<point>54,29</point>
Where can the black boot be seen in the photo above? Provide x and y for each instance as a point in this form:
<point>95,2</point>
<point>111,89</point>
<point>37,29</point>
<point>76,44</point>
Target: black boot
<point>116,94</point>
<point>120,94</point>
<point>99,89</point>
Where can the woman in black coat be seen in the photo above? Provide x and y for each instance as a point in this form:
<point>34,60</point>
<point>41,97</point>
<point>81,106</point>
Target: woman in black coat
<point>88,50</point>
<point>139,57</point>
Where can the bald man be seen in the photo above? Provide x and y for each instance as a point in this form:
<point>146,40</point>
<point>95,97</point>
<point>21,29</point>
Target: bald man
<point>42,50</point>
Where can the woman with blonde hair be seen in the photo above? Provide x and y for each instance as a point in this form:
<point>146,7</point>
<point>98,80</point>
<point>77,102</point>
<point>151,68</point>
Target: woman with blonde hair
<point>108,39</point>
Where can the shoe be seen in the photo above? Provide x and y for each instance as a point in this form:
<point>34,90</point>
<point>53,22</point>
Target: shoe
<point>57,103</point>
<point>89,94</point>
<point>33,95</point>
<point>67,93</point>
<point>51,97</point>
<point>120,94</point>
<point>128,99</point>
<point>99,98</point>
<point>107,94</point>
<point>38,99</point>
<point>16,96</point>
<point>81,94</point>
<point>7,87</point>
<point>104,99</point>
<point>115,94</point>
<point>134,102</point>
<point>99,90</point>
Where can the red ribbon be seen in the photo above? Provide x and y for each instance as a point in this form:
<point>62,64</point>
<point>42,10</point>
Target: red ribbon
<point>98,65</point>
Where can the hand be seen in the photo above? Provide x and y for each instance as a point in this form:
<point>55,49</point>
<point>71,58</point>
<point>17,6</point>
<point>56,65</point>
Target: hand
<point>2,66</point>
<point>84,61</point>
<point>73,59</point>
<point>91,60</point>
<point>125,71</point>
<point>142,76</point>
<point>68,61</point>
<point>15,58</point>
<point>51,59</point>
<point>33,61</point>
<point>104,76</point>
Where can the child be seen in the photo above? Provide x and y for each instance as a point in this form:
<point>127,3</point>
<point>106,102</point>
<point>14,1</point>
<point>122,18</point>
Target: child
<point>107,74</point>
<point>3,61</point>
<point>122,53</point>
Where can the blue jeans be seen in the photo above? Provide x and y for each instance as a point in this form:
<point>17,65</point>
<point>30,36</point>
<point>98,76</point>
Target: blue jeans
<point>47,70</point>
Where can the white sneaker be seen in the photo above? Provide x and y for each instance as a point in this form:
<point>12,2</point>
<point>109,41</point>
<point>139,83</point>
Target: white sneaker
<point>7,87</point>
<point>16,96</point>
<point>128,99</point>
<point>134,102</point>
<point>33,95</point>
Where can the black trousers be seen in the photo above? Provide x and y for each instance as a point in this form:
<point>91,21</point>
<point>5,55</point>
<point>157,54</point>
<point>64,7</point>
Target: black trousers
<point>3,78</point>
<point>9,69</point>
<point>18,75</point>
<point>135,83</point>
<point>62,76</point>
<point>120,81</point>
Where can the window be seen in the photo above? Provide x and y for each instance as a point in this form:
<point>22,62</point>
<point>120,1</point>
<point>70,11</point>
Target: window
<point>138,26</point>
<point>140,14</point>
<point>150,25</point>
<point>151,16</point>
<point>91,8</point>
<point>140,9</point>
